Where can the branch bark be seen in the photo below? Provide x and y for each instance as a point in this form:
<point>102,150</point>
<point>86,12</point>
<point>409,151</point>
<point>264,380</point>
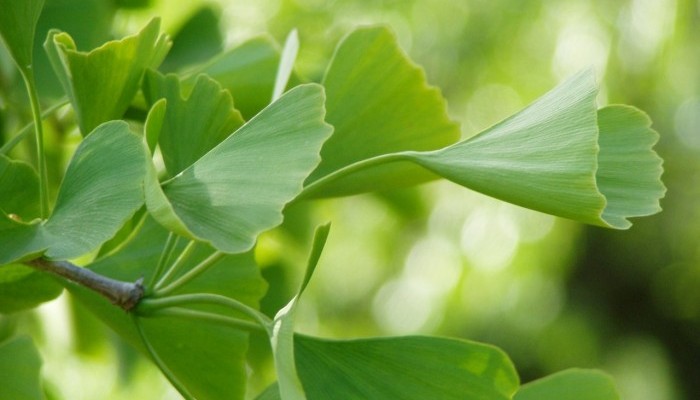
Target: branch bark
<point>123,294</point>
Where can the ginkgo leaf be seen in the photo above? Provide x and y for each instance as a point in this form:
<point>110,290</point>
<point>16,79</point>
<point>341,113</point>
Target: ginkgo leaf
<point>23,288</point>
<point>193,124</point>
<point>571,384</point>
<point>407,368</point>
<point>207,360</point>
<point>378,102</point>
<point>102,188</point>
<point>17,27</point>
<point>560,155</point>
<point>247,71</point>
<point>282,337</point>
<point>239,188</point>
<point>102,83</point>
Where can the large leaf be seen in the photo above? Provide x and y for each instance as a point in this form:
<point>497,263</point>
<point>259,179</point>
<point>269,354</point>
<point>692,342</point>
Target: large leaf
<point>22,288</point>
<point>102,188</point>
<point>205,360</point>
<point>378,102</point>
<point>572,384</point>
<point>17,27</point>
<point>194,124</point>
<point>414,367</point>
<point>20,366</point>
<point>282,337</point>
<point>546,158</point>
<point>239,188</point>
<point>248,71</point>
<point>102,83</point>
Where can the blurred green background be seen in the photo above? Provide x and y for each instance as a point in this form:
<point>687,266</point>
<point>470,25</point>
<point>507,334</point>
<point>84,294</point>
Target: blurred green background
<point>439,259</point>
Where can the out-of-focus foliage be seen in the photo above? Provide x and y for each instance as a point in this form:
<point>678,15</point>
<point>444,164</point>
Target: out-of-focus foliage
<point>440,259</point>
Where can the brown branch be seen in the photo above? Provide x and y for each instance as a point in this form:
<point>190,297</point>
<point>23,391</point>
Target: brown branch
<point>123,294</point>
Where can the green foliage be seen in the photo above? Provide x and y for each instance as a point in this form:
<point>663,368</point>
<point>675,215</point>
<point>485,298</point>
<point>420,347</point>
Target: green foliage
<point>19,367</point>
<point>185,230</point>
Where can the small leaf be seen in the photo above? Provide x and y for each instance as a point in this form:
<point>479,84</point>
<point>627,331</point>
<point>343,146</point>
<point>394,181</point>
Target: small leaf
<point>378,103</point>
<point>19,189</point>
<point>207,359</point>
<point>20,366</point>
<point>571,384</point>
<point>247,71</point>
<point>102,188</point>
<point>102,83</point>
<point>22,288</point>
<point>198,40</point>
<point>17,27</point>
<point>282,337</point>
<point>239,188</point>
<point>286,67</point>
<point>629,171</point>
<point>414,367</point>
<point>194,124</point>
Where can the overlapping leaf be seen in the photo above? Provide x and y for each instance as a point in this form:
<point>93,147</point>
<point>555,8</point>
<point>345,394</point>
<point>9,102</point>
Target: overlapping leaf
<point>22,288</point>
<point>560,155</point>
<point>239,188</point>
<point>102,188</point>
<point>247,71</point>
<point>20,366</point>
<point>282,338</point>
<point>206,359</point>
<point>102,83</point>
<point>571,384</point>
<point>194,124</point>
<point>18,21</point>
<point>378,103</point>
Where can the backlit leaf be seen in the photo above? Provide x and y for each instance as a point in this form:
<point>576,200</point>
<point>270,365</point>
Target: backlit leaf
<point>102,83</point>
<point>18,21</point>
<point>239,188</point>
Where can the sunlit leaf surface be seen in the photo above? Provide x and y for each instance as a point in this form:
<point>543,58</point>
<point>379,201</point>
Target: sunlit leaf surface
<point>239,188</point>
<point>102,83</point>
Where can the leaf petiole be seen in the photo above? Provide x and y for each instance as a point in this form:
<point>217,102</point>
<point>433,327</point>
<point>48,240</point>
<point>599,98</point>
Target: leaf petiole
<point>179,262</point>
<point>232,322</point>
<point>28,78</point>
<point>27,129</point>
<point>147,306</point>
<point>191,274</point>
<point>165,255</point>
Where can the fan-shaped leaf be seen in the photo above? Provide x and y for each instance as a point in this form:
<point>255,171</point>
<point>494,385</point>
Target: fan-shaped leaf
<point>101,84</point>
<point>194,124</point>
<point>378,103</point>
<point>239,188</point>
<point>102,188</point>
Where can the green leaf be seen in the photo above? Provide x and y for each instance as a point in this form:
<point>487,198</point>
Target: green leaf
<point>102,83</point>
<point>286,67</point>
<point>19,189</point>
<point>206,359</point>
<point>414,367</point>
<point>20,366</point>
<point>282,337</point>
<point>22,288</point>
<point>102,188</point>
<point>198,40</point>
<point>193,124</point>
<point>629,171</point>
<point>379,103</point>
<point>247,71</point>
<point>239,188</point>
<point>17,27</point>
<point>546,157</point>
<point>571,384</point>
